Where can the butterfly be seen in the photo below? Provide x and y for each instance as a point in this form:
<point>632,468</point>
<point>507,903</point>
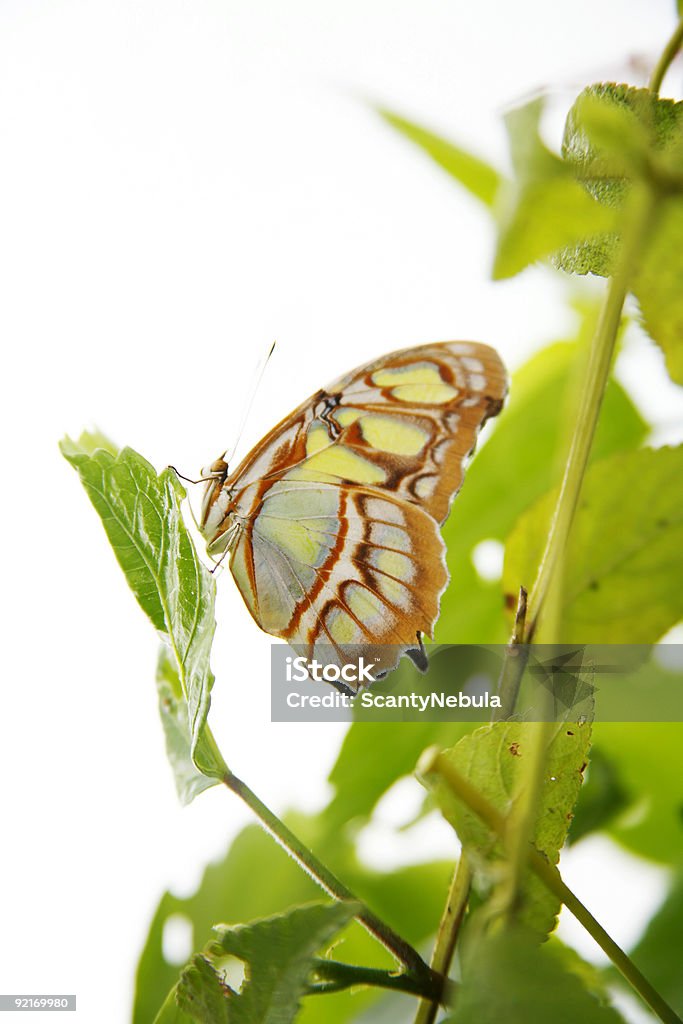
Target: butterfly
<point>331,522</point>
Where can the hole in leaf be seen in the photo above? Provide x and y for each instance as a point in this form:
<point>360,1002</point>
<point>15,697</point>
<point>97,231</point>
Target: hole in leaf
<point>232,970</point>
<point>487,558</point>
<point>177,940</point>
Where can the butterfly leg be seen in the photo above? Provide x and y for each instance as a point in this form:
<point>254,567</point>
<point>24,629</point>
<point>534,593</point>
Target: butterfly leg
<point>330,403</point>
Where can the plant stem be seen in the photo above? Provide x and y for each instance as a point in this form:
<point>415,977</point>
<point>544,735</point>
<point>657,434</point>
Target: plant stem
<point>447,936</point>
<point>670,52</point>
<point>333,976</point>
<point>516,658</point>
<point>433,762</point>
<point>306,859</point>
<point>520,824</point>
<point>636,222</point>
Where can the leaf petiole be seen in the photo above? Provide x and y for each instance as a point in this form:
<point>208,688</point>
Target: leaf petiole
<point>669,54</point>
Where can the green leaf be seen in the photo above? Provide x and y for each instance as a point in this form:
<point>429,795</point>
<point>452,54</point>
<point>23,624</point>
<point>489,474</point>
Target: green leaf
<point>616,135</point>
<point>140,512</point>
<point>647,758</point>
<point>591,977</point>
<point>659,286</point>
<point>622,580</point>
<point>508,977</point>
<point>603,797</point>
<point>257,878</point>
<point>373,756</point>
<point>545,209</point>
<point>170,1012</point>
<point>658,953</point>
<point>88,443</point>
<point>478,177</point>
<point>493,758</point>
<point>278,954</point>
<point>609,135</point>
<point>519,462</point>
<point>190,782</point>
<point>202,996</point>
<point>227,893</point>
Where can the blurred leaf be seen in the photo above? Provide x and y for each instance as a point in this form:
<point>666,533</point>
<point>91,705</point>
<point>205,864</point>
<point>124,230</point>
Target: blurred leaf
<point>542,219</point>
<point>659,951</point>
<point>373,756</point>
<point>603,796</point>
<point>228,893</point>
<point>478,177</point>
<point>546,209</point>
<point>492,759</point>
<point>140,512</point>
<point>659,286</point>
<point>622,570</point>
<point>508,977</point>
<point>611,135</point>
<point>615,135</point>
<point>519,462</point>
<point>88,443</point>
<point>190,782</point>
<point>647,757</point>
<point>278,954</point>
<point>591,977</point>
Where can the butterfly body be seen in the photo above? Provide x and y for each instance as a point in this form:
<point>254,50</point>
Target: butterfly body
<point>332,520</point>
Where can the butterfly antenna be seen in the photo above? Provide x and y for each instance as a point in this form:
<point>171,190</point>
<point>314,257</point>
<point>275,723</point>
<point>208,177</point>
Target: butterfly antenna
<point>251,395</point>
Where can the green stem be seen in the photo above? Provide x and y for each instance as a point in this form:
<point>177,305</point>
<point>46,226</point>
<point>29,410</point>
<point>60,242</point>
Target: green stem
<point>670,51</point>
<point>333,976</point>
<point>521,822</point>
<point>516,658</point>
<point>433,762</point>
<point>306,859</point>
<point>637,219</point>
<point>446,938</point>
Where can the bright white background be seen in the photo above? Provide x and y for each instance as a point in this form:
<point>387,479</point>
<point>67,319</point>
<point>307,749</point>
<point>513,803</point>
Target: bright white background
<point>181,181</point>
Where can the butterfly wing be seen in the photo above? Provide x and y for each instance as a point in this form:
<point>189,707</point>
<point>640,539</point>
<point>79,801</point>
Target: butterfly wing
<point>333,517</point>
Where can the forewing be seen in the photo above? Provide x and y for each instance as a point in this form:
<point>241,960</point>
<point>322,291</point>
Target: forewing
<point>414,416</point>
